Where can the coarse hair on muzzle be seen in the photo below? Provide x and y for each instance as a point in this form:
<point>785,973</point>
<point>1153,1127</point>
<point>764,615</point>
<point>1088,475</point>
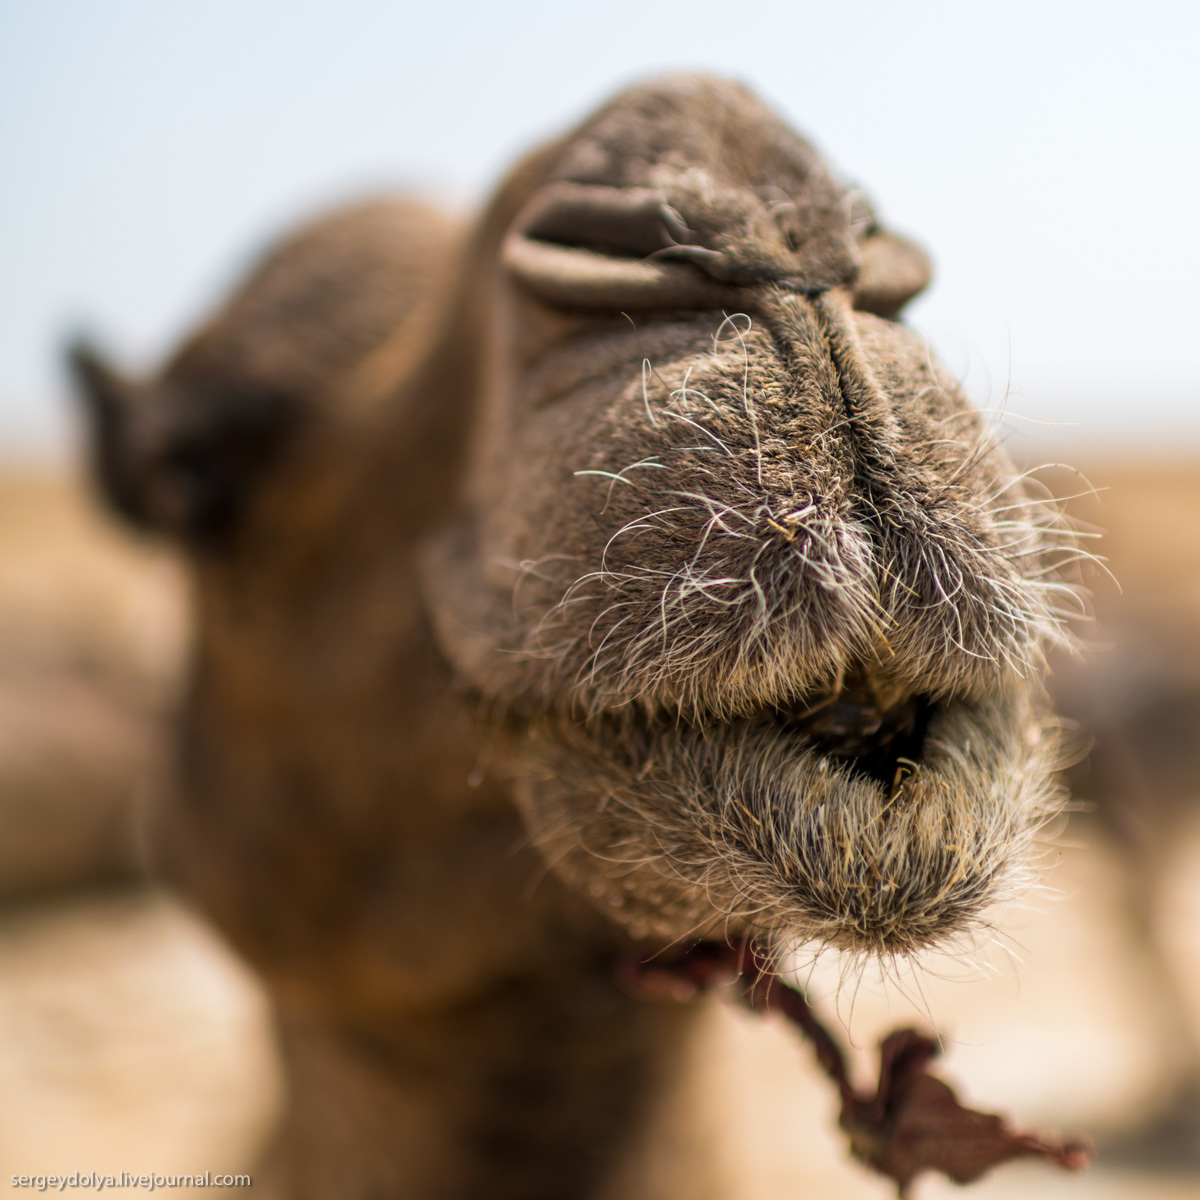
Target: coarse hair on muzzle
<point>760,609</point>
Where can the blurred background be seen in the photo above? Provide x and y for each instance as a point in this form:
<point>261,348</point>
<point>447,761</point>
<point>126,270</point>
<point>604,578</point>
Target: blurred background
<point>1043,152</point>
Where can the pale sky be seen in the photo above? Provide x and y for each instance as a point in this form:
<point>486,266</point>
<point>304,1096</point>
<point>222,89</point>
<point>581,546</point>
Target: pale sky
<point>1045,153</point>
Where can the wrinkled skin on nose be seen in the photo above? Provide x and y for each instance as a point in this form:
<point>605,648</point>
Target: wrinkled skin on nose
<point>759,607</point>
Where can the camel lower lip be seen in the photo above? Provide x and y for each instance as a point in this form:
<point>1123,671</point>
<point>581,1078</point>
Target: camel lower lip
<point>756,826</point>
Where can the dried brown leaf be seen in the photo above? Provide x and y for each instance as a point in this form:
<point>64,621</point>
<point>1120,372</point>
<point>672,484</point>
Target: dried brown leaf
<point>912,1123</point>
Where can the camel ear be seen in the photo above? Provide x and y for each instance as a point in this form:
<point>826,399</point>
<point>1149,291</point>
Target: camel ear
<point>893,271</point>
<point>591,246</point>
<point>184,453</point>
<point>110,407</point>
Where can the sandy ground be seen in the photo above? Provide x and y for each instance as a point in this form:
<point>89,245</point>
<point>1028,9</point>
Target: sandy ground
<point>131,1038</point>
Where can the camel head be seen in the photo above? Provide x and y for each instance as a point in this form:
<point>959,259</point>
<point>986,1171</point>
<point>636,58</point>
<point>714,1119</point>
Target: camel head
<point>754,608</point>
<point>757,607</point>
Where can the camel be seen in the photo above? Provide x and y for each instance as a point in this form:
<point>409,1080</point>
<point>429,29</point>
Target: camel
<point>613,579</point>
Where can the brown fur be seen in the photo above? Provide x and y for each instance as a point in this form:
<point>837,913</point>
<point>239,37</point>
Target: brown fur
<point>728,550</point>
<point>441,1000</point>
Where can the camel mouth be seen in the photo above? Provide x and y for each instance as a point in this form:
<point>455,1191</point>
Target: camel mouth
<point>859,725</point>
<point>858,817</point>
<point>875,737</point>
